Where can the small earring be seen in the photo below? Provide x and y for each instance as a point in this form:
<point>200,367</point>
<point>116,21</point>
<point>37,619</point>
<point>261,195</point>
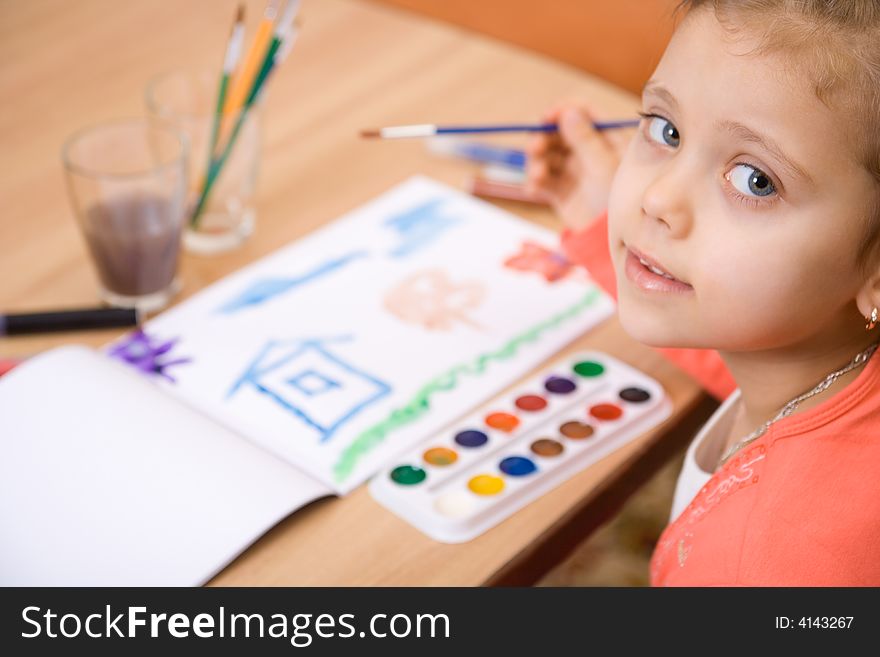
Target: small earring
<point>872,321</point>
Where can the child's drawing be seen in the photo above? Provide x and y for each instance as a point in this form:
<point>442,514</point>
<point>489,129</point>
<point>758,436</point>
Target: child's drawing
<point>438,323</point>
<point>431,300</point>
<point>319,389</point>
<point>420,226</point>
<point>532,256</point>
<point>147,354</point>
<point>262,290</point>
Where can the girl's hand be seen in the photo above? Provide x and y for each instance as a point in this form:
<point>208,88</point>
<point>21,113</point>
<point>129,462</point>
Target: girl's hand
<point>574,167</point>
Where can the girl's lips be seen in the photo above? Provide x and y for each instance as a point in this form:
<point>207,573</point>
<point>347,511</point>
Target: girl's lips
<point>644,279</point>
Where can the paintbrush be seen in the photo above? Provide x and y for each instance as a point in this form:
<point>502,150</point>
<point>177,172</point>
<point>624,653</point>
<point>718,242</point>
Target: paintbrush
<point>431,130</point>
<point>230,63</point>
<point>284,37</point>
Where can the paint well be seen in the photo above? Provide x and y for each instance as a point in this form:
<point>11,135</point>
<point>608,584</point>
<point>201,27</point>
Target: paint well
<point>517,466</point>
<point>502,421</point>
<point>547,447</point>
<point>589,368</point>
<point>576,430</point>
<point>606,411</point>
<point>559,385</point>
<point>486,484</point>
<point>455,504</point>
<point>636,395</point>
<point>531,403</point>
<point>440,456</point>
<point>408,475</point>
<point>471,438</point>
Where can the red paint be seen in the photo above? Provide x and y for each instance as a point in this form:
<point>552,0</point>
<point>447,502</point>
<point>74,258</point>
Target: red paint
<point>606,411</point>
<point>531,403</point>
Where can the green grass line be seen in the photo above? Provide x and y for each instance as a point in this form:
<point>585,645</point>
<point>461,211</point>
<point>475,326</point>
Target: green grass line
<point>420,403</point>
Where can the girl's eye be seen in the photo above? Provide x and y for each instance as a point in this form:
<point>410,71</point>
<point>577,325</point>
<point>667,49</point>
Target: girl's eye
<point>662,131</point>
<point>751,181</point>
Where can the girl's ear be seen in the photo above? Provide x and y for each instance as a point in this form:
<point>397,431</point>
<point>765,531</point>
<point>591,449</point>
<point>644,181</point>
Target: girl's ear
<point>868,297</point>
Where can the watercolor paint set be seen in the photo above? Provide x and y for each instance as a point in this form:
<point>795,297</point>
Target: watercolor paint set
<point>517,447</point>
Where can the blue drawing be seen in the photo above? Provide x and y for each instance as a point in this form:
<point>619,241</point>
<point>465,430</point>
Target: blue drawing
<point>263,290</point>
<point>303,378</point>
<point>313,383</point>
<point>419,226</point>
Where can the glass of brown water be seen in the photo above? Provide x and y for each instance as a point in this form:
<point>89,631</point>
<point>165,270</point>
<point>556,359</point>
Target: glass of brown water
<point>127,181</point>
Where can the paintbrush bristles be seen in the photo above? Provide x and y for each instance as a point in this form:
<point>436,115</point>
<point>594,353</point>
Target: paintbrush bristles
<point>239,15</point>
<point>370,134</point>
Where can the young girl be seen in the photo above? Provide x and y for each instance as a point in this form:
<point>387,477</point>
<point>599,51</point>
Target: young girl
<point>743,223</point>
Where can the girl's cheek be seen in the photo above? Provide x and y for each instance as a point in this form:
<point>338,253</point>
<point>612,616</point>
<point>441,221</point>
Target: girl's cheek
<point>625,196</point>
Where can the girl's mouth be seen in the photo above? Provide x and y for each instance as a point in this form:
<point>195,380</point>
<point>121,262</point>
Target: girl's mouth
<point>648,275</point>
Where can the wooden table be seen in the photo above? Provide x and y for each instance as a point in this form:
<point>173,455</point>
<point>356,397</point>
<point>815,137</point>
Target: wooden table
<point>357,64</point>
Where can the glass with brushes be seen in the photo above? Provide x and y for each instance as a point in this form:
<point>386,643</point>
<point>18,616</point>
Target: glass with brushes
<point>221,117</point>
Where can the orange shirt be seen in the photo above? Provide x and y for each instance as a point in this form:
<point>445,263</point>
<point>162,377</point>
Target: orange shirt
<point>800,506</point>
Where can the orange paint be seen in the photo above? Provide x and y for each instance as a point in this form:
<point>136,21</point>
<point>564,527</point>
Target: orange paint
<point>502,421</point>
<point>440,456</point>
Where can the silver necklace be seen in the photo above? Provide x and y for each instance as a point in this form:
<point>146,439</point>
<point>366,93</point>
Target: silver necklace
<point>860,359</point>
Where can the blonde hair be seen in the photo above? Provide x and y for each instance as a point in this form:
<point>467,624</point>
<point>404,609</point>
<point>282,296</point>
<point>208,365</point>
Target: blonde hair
<point>837,44</point>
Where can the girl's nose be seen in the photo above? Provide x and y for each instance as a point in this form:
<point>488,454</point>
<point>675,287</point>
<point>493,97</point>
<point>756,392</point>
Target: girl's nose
<point>666,200</point>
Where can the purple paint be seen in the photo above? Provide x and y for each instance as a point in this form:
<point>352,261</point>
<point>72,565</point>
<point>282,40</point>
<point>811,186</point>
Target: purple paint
<point>559,385</point>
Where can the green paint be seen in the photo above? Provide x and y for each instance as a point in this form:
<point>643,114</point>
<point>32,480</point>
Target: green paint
<point>408,475</point>
<point>589,368</point>
<point>420,403</point>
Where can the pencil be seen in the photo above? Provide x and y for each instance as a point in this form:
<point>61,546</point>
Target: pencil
<point>510,192</point>
<point>479,152</point>
<point>244,78</point>
<point>230,62</point>
<point>431,130</point>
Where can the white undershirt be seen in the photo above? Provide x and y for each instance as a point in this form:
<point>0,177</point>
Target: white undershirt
<point>692,477</point>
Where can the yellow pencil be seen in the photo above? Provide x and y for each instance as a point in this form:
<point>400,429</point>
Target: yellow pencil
<point>244,77</point>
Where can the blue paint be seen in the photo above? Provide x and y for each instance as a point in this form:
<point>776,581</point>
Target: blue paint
<point>517,466</point>
<point>471,438</point>
<point>261,291</point>
<point>419,226</point>
<point>277,356</point>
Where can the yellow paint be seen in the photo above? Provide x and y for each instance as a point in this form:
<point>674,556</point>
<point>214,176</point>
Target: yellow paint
<point>486,485</point>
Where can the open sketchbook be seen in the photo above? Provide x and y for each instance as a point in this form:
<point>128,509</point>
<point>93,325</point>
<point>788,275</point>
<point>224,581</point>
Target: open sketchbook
<point>161,458</point>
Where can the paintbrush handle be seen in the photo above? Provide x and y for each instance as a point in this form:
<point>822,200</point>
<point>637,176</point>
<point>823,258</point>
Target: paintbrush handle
<point>455,130</point>
<point>430,130</point>
<point>540,127</point>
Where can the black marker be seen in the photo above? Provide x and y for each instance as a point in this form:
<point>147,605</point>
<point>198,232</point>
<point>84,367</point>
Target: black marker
<point>68,320</point>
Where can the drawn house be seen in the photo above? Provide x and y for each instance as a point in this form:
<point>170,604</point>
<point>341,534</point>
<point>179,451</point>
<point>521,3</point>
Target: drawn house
<point>318,389</point>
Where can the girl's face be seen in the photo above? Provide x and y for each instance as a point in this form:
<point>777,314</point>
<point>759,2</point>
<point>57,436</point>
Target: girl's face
<point>743,186</point>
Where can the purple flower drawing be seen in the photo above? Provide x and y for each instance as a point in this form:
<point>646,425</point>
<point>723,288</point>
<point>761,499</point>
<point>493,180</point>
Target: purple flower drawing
<point>147,354</point>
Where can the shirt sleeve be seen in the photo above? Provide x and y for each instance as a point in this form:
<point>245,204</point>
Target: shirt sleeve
<point>588,248</point>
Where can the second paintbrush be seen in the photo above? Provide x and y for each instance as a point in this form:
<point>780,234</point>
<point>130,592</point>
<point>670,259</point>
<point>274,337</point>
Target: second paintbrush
<point>431,130</point>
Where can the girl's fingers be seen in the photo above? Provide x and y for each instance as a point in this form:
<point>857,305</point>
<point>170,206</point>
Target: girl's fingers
<point>577,131</point>
<point>537,172</point>
<point>558,161</point>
